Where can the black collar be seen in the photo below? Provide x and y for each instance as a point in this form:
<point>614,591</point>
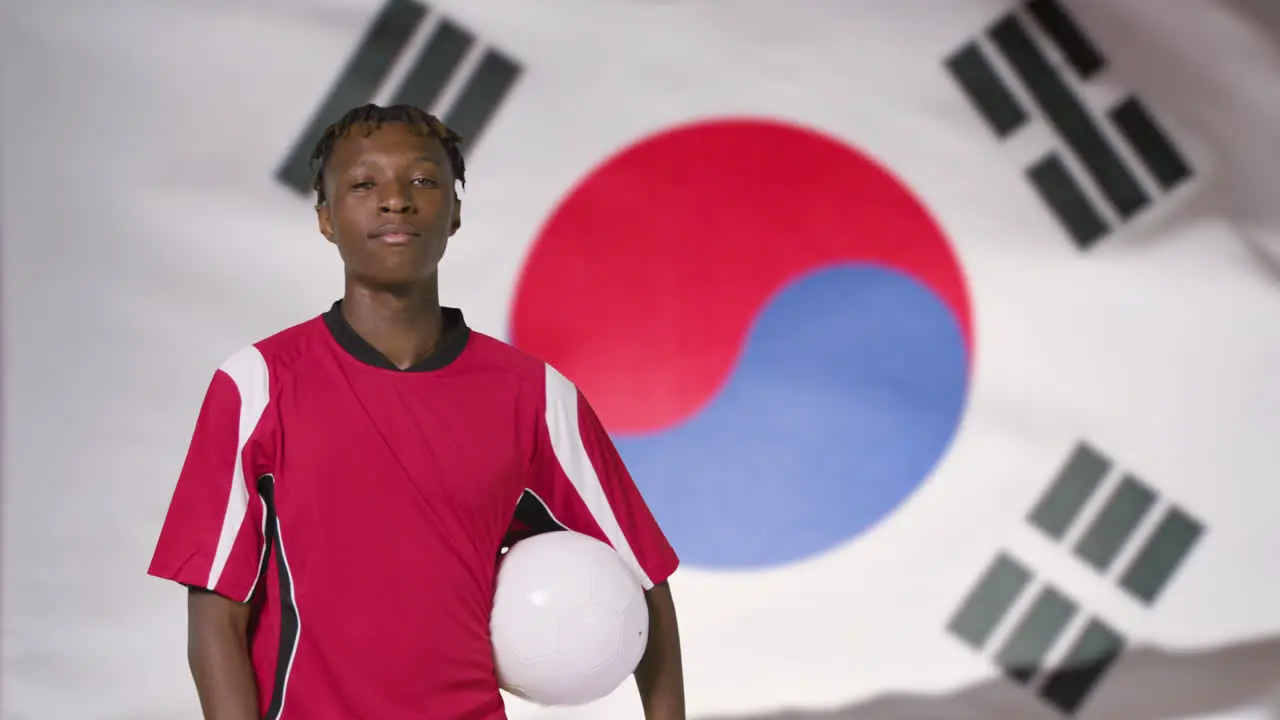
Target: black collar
<point>452,342</point>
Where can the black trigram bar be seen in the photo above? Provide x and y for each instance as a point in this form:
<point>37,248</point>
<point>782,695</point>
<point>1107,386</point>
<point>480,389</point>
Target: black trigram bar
<point>1068,116</point>
<point>989,601</point>
<point>1151,143</point>
<point>1115,523</point>
<point>1093,654</point>
<point>482,96</point>
<point>364,72</point>
<point>435,64</point>
<point>1022,656</point>
<point>988,93</point>
<point>1078,479</point>
<point>1062,29</point>
<point>1160,558</point>
<point>429,74</point>
<point>1059,190</point>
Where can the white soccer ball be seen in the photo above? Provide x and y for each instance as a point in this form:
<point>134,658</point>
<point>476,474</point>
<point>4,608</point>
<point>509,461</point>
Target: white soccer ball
<point>569,623</point>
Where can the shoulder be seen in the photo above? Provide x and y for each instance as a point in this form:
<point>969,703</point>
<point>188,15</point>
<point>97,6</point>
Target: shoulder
<point>490,353</point>
<point>257,367</point>
<point>527,369</point>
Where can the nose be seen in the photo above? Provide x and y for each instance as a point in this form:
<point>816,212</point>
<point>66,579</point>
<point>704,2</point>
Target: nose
<point>395,199</point>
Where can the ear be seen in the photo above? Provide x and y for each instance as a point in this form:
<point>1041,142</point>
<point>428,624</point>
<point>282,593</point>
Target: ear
<point>457,216</point>
<point>324,217</point>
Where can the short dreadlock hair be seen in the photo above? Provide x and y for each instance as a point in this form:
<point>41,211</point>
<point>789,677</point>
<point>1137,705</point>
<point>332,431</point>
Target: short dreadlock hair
<point>369,119</point>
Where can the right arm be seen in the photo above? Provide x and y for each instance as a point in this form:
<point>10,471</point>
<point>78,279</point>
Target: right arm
<point>218,653</point>
<point>212,539</point>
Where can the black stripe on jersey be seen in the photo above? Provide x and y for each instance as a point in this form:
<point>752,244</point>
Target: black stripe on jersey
<point>289,626</point>
<point>534,514</point>
<point>532,517</point>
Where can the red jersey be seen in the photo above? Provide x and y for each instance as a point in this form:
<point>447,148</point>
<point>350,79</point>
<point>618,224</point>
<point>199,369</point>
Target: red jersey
<point>361,510</point>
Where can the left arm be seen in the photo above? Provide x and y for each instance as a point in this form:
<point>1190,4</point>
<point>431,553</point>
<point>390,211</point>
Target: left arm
<point>660,675</point>
<point>579,476</point>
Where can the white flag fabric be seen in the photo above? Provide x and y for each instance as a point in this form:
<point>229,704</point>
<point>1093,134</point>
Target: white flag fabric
<point>942,337</point>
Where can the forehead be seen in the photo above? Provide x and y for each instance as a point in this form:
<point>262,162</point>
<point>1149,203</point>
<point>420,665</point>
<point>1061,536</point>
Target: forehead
<point>390,142</point>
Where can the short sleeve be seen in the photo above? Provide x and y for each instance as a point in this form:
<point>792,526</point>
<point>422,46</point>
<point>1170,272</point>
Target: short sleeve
<point>212,536</point>
<point>585,486</point>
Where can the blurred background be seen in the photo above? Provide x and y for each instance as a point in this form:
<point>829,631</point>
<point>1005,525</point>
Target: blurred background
<point>942,337</point>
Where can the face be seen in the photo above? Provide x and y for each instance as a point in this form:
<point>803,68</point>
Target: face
<point>391,205</point>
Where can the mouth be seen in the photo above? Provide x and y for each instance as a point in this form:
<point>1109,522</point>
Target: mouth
<point>395,234</point>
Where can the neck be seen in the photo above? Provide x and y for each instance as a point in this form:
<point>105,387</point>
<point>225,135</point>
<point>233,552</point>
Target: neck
<point>403,323</point>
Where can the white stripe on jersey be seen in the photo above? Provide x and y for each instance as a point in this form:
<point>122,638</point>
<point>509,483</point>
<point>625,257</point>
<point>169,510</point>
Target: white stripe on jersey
<point>566,441</point>
<point>248,369</point>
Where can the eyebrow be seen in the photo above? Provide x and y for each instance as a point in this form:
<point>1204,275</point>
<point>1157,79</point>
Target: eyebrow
<point>421,159</point>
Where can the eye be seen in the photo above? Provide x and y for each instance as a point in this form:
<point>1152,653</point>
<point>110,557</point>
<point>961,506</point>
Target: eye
<point>425,182</point>
<point>362,185</point>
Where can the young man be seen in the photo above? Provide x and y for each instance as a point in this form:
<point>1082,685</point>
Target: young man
<point>352,479</point>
